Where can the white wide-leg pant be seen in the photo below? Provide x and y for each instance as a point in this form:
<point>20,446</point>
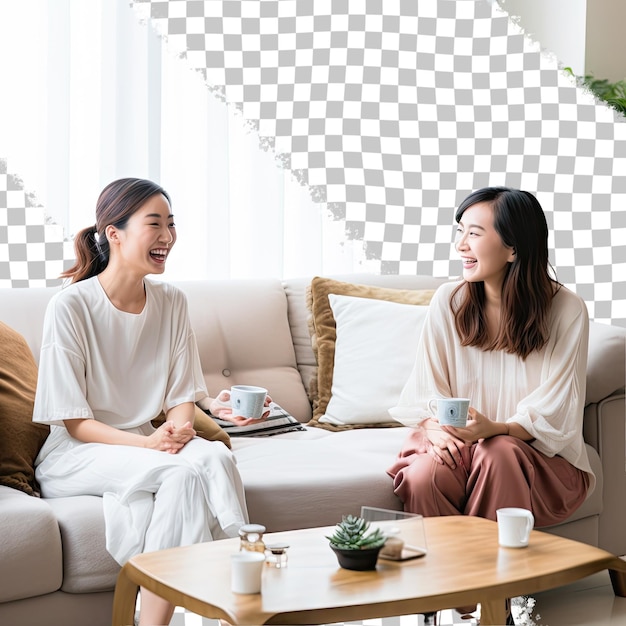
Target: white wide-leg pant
<point>152,500</point>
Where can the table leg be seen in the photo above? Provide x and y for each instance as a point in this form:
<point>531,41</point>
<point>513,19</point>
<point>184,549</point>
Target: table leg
<point>618,577</point>
<point>493,612</point>
<point>124,600</point>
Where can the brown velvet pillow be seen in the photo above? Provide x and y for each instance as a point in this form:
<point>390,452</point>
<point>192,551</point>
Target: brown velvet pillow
<point>323,335</point>
<point>206,427</point>
<point>20,438</point>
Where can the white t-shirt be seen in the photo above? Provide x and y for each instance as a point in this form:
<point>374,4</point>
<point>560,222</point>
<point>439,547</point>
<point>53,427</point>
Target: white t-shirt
<point>544,393</point>
<point>120,368</point>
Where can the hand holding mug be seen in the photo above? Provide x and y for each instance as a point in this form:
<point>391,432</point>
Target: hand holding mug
<point>450,411</point>
<point>242,404</point>
<point>478,427</point>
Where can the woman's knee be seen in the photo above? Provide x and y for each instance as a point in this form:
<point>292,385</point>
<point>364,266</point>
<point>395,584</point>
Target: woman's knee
<point>500,452</point>
<point>182,474</point>
<point>500,445</point>
<point>417,476</point>
<point>209,456</point>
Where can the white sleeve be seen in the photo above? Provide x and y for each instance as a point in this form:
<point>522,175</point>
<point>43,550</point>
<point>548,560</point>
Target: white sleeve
<point>553,412</point>
<point>185,380</point>
<point>61,385</point>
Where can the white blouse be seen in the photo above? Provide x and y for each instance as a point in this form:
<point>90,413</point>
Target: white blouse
<point>120,368</point>
<point>544,393</point>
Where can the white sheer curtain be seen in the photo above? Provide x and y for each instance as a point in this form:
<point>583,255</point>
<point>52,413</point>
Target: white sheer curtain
<point>90,94</point>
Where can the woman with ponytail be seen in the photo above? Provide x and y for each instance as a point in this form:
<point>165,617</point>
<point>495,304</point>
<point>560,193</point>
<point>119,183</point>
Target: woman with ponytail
<point>117,351</point>
<point>513,340</point>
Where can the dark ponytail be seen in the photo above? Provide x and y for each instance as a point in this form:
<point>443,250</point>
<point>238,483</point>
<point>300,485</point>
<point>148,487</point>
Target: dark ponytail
<point>90,259</point>
<point>116,204</point>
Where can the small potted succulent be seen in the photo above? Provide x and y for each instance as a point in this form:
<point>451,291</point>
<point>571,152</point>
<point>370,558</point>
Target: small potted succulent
<point>355,547</point>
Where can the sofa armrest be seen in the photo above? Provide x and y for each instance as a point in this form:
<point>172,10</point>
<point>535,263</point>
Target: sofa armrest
<point>31,559</point>
<point>606,361</point>
<point>611,414</point>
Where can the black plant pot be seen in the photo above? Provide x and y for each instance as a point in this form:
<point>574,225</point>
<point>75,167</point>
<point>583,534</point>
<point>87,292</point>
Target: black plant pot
<point>359,560</point>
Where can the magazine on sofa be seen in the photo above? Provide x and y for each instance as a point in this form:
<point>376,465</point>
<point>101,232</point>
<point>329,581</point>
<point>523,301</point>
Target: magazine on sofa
<point>278,421</point>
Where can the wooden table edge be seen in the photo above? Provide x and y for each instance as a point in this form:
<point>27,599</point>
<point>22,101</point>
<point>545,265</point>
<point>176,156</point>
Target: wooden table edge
<point>131,578</point>
<point>493,610</point>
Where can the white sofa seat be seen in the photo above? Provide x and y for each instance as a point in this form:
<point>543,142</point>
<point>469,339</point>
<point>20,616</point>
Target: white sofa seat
<point>311,478</point>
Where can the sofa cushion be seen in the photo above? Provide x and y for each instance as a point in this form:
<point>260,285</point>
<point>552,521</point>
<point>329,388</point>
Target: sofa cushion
<point>606,361</point>
<point>20,438</point>
<point>324,335</point>
<point>31,556</point>
<point>376,343</point>
<point>299,313</point>
<point>312,478</point>
<point>243,338</point>
<point>87,566</point>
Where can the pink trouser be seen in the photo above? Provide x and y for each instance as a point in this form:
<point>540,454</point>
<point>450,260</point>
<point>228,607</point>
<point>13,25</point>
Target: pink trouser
<point>498,472</point>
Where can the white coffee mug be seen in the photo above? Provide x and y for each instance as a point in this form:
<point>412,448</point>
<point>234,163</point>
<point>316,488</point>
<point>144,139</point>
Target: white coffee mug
<point>247,401</point>
<point>246,571</point>
<point>450,411</point>
<point>514,526</point>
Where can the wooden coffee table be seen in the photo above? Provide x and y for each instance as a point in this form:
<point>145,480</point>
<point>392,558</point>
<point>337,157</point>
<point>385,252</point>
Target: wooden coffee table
<point>464,565</point>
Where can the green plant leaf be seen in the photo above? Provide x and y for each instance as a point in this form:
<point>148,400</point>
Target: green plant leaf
<point>613,93</point>
<point>351,534</point>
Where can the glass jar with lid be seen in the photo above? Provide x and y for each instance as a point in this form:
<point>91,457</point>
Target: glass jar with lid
<point>252,538</point>
<point>276,555</point>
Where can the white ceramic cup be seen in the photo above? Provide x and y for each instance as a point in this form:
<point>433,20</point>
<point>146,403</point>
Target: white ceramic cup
<point>246,569</point>
<point>450,411</point>
<point>514,526</point>
<point>247,401</point>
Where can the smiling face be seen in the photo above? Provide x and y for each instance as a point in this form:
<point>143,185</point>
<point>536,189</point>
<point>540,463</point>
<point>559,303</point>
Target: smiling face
<point>144,244</point>
<point>484,255</point>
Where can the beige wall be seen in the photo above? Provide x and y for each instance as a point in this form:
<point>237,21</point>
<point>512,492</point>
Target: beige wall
<point>586,35</point>
<point>606,39</point>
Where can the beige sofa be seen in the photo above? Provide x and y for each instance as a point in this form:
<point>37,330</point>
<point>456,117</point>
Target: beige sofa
<point>53,563</point>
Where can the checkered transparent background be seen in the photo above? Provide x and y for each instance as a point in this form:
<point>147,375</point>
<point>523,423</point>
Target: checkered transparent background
<point>31,249</point>
<point>392,112</point>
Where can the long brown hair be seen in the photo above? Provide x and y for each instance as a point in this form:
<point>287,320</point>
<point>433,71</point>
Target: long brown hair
<point>116,204</point>
<point>528,288</point>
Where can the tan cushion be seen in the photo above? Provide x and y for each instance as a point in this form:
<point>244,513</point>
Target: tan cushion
<point>20,438</point>
<point>206,427</point>
<point>323,334</point>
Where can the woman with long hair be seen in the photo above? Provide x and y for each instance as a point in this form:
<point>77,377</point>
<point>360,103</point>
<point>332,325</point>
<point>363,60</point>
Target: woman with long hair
<point>513,340</point>
<point>118,350</point>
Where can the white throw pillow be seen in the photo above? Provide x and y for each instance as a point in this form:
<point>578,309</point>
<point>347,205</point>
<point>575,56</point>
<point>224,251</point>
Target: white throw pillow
<point>374,356</point>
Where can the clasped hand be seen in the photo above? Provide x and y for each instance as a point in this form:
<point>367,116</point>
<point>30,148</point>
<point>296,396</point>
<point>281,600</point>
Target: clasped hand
<point>170,438</point>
